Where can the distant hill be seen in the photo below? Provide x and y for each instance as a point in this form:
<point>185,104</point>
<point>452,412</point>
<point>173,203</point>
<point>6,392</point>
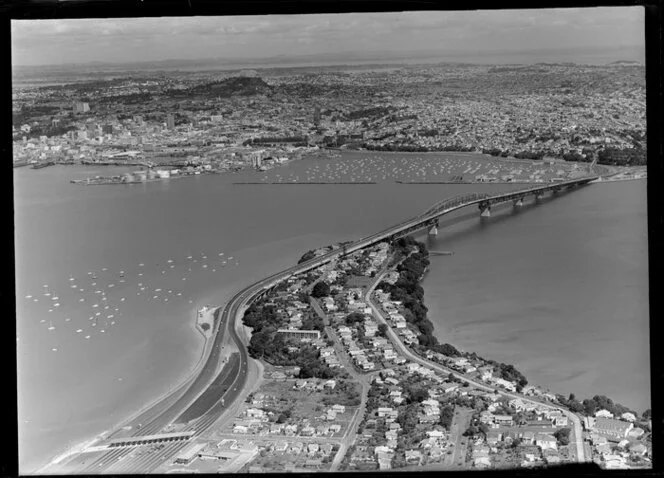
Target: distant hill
<point>625,62</point>
<point>234,86</point>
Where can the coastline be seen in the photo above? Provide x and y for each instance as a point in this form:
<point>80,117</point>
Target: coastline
<point>83,444</point>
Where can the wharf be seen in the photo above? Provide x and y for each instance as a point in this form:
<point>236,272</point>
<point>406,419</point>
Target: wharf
<point>20,164</point>
<point>42,165</point>
<point>441,253</point>
<point>311,182</point>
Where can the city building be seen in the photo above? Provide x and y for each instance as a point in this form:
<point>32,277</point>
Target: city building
<point>81,107</point>
<point>299,334</point>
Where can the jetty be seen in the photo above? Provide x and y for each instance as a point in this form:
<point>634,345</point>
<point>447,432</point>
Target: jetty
<point>307,182</point>
<point>441,253</point>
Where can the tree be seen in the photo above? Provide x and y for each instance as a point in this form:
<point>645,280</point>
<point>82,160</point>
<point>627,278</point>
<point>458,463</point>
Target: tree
<point>321,289</point>
<point>562,436</point>
<point>446,416</point>
<point>382,330</point>
<point>647,415</point>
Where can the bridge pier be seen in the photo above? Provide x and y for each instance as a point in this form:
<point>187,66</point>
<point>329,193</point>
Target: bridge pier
<point>485,209</point>
<point>539,196</point>
<point>433,230</point>
<point>518,202</point>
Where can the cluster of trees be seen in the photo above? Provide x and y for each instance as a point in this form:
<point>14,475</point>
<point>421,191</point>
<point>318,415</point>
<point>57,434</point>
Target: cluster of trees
<point>307,257</point>
<point>321,289</point>
<point>622,157</point>
<point>591,405</point>
<point>408,290</point>
<point>508,372</point>
<point>576,156</point>
<point>562,435</point>
<point>267,345</point>
<point>237,85</point>
<point>446,416</point>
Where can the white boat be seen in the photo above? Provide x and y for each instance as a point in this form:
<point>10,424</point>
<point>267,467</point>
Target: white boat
<point>81,300</point>
<point>57,304</point>
<point>28,297</point>
<point>157,290</point>
<point>54,349</point>
<point>122,299</point>
<point>98,314</point>
<point>95,306</point>
<point>87,336</point>
<point>51,326</point>
<point>170,260</point>
<point>55,298</point>
<point>67,319</point>
<point>47,294</point>
<point>71,278</point>
<point>79,331</point>
<point>141,265</point>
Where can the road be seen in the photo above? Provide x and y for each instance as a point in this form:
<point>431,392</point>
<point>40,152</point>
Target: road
<point>577,437</point>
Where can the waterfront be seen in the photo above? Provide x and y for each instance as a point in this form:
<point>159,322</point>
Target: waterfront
<point>265,229</point>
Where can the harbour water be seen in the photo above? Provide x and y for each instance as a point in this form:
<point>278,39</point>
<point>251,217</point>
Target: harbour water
<point>579,260</point>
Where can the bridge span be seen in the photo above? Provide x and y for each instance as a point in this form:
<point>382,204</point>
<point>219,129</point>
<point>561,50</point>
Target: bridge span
<point>427,220</point>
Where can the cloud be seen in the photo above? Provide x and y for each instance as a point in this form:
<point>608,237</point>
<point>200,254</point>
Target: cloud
<point>278,34</point>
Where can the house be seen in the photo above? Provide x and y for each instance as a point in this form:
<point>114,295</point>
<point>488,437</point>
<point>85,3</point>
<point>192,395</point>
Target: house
<point>307,431</point>
<point>312,448</point>
<point>326,449</point>
<point>336,428</point>
<point>255,413</point>
<point>545,441</point>
<point>493,438</point>
<point>503,420</point>
<point>449,387</point>
<point>413,457</point>
<point>603,414</point>
<point>528,438</point>
<point>384,411</point>
<point>627,416</point>
<point>612,429</point>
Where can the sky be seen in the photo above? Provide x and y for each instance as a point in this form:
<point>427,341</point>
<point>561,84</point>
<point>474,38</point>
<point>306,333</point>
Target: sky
<point>125,40</point>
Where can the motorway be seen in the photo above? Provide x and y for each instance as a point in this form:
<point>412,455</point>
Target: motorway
<point>171,407</point>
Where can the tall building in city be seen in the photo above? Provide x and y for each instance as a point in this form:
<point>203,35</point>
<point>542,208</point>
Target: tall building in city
<point>317,116</point>
<point>81,107</point>
<point>170,121</point>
